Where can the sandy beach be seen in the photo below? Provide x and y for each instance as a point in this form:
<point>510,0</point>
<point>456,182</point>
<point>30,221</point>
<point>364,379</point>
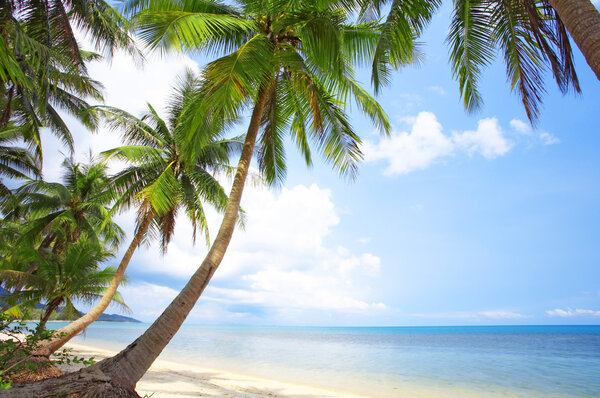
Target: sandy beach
<point>172,379</point>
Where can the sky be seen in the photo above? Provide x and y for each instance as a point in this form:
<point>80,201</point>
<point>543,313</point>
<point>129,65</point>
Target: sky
<point>455,218</point>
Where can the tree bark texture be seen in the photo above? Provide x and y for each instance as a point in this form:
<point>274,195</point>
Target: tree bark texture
<point>582,20</point>
<point>89,383</point>
<point>74,328</point>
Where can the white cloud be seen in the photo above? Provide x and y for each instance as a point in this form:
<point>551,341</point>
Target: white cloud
<point>426,143</point>
<point>487,140</point>
<point>548,139</point>
<point>437,89</point>
<point>406,152</point>
<point>281,261</point>
<point>544,137</point>
<point>129,86</point>
<point>473,316</point>
<point>147,300</point>
<point>501,314</point>
<point>520,126</point>
<point>304,290</point>
<point>570,312</point>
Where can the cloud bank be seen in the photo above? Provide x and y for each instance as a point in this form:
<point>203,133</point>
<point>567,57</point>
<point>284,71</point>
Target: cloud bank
<point>405,152</point>
<point>425,144</point>
<point>567,313</point>
<point>285,262</point>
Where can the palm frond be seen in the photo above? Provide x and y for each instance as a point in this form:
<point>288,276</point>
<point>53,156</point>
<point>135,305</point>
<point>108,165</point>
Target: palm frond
<point>191,26</point>
<point>472,47</point>
<point>524,63</point>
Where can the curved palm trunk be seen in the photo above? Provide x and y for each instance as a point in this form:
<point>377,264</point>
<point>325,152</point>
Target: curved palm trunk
<point>74,328</point>
<point>582,20</point>
<point>129,365</point>
<point>117,376</point>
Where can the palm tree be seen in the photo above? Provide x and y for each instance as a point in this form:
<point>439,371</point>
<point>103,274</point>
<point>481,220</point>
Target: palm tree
<point>292,62</point>
<point>73,275</point>
<point>50,23</point>
<point>161,182</point>
<point>42,68</point>
<point>58,215</point>
<point>529,34</point>
<point>14,256</point>
<point>50,92</point>
<point>80,205</point>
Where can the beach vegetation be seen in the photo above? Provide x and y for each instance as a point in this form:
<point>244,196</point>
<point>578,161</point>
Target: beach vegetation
<point>18,363</point>
<point>57,237</point>
<point>63,278</point>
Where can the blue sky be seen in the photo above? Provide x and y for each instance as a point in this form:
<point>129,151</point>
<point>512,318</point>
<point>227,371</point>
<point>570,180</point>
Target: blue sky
<point>456,219</point>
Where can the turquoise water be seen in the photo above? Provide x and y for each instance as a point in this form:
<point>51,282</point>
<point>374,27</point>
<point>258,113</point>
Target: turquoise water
<point>527,361</point>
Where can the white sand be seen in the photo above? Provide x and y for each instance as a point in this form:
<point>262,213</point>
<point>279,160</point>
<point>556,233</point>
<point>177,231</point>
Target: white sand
<point>172,379</point>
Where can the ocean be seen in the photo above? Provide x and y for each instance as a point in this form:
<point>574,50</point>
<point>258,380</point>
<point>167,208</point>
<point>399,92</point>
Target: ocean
<point>461,361</point>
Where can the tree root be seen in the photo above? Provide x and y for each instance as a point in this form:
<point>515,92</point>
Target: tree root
<point>89,382</point>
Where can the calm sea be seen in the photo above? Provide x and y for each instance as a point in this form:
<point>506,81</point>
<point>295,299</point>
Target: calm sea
<point>515,361</point>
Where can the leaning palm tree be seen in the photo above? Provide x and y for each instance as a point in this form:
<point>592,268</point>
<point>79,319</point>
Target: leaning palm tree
<point>160,182</point>
<point>292,63</point>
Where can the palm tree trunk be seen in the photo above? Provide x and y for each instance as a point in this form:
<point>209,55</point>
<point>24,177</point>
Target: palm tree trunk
<point>7,110</point>
<point>127,367</point>
<point>72,329</point>
<point>582,20</point>
<point>52,306</point>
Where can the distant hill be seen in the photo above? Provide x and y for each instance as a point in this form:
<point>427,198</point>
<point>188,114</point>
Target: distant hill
<point>116,318</point>
<point>61,316</point>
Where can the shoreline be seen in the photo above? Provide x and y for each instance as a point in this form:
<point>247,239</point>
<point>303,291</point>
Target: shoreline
<point>173,379</point>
